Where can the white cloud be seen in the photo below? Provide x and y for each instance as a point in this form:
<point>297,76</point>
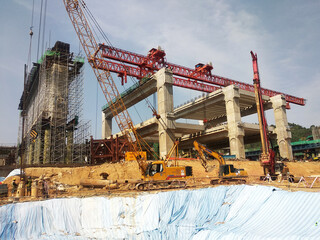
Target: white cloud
<point>223,32</point>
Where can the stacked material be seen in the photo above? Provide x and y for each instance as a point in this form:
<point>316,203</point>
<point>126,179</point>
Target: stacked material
<point>225,212</point>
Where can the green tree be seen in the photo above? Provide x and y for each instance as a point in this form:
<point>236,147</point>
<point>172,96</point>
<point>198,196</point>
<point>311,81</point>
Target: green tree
<point>299,133</point>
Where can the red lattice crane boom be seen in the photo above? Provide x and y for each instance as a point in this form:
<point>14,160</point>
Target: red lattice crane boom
<point>91,48</point>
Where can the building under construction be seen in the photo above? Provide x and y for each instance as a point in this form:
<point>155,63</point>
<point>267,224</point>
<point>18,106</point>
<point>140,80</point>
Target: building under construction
<point>51,110</point>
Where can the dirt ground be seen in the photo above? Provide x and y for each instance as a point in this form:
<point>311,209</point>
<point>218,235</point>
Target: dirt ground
<point>65,182</point>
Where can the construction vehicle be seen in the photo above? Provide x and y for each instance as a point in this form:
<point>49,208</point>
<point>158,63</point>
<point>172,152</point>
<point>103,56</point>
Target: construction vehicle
<point>227,172</point>
<point>267,157</point>
<point>155,174</point>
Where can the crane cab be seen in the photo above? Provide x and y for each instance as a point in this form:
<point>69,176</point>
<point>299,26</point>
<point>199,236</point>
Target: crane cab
<point>229,171</point>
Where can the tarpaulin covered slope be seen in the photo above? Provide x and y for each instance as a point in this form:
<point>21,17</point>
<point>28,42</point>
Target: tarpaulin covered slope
<point>233,212</point>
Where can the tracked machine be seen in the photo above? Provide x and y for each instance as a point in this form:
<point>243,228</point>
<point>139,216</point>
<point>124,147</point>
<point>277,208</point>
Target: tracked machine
<point>227,172</point>
<point>156,174</point>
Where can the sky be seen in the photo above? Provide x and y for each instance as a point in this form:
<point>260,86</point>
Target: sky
<point>284,33</point>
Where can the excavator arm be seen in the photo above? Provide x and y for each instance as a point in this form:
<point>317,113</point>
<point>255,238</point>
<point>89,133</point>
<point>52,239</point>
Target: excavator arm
<point>202,151</point>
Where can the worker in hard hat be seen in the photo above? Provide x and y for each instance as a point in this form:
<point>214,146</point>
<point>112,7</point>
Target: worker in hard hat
<point>29,183</point>
<point>14,186</point>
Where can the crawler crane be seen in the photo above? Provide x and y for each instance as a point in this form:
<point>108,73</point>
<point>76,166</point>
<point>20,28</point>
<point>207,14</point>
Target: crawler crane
<point>155,174</point>
<point>227,172</point>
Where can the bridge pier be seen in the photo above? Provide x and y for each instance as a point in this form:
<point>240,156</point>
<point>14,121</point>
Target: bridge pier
<point>166,125</point>
<point>235,128</point>
<point>282,127</point>
<point>106,126</point>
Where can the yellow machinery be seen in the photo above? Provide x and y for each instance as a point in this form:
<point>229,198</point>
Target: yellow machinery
<point>155,174</point>
<point>158,174</point>
<point>227,172</point>
<point>132,156</point>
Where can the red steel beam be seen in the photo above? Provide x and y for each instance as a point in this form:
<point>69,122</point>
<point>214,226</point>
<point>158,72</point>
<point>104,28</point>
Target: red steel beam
<point>136,72</point>
<point>126,57</point>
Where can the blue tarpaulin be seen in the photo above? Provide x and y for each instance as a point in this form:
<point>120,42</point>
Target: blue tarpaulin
<point>225,212</point>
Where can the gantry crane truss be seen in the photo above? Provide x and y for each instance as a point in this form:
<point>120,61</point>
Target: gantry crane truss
<point>127,63</point>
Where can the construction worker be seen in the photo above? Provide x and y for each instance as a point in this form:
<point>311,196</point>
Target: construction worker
<point>280,177</point>
<point>45,189</point>
<point>14,186</point>
<point>29,183</point>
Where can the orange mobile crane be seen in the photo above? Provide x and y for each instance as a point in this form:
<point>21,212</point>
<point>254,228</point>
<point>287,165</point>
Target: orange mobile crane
<point>267,157</point>
<point>154,174</point>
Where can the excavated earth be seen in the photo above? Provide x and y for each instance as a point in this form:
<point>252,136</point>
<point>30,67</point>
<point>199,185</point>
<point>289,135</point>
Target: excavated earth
<point>65,182</point>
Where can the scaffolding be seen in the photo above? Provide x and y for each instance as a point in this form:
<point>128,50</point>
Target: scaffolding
<point>55,132</point>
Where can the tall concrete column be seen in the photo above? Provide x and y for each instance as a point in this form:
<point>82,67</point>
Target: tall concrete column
<point>282,127</point>
<point>166,125</point>
<point>106,126</point>
<point>235,129</point>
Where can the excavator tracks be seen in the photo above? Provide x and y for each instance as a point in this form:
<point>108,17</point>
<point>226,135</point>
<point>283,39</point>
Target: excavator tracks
<point>155,185</point>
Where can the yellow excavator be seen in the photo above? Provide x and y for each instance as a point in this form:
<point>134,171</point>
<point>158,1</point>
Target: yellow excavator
<point>227,172</point>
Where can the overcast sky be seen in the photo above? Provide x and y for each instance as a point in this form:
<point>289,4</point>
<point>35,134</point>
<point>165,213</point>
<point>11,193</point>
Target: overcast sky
<point>285,34</point>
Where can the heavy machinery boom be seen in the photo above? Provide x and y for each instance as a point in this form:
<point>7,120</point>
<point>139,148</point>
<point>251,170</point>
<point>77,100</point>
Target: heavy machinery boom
<point>227,172</point>
<point>267,157</point>
<point>91,48</point>
<point>158,172</point>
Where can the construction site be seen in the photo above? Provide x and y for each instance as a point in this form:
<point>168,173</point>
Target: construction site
<point>184,173</point>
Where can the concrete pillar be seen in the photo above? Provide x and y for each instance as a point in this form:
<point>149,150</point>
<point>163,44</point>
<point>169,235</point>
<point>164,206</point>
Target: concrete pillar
<point>235,128</point>
<point>106,127</point>
<point>282,127</point>
<point>166,124</point>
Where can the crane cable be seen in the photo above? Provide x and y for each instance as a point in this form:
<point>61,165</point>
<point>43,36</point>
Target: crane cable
<point>104,36</point>
<point>31,34</point>
<point>40,22</point>
<point>44,26</point>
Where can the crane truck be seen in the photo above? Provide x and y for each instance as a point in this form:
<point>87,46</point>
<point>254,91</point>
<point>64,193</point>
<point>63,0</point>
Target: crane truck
<point>227,172</point>
<point>155,174</point>
<point>267,157</point>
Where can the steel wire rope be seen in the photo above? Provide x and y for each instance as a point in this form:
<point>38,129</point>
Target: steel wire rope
<point>105,37</point>
<point>90,15</point>
<point>97,87</point>
<point>31,34</point>
<point>39,33</point>
<point>44,26</point>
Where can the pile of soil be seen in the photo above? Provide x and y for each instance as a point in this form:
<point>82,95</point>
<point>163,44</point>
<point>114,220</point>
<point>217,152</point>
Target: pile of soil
<point>130,170</point>
<point>71,177</point>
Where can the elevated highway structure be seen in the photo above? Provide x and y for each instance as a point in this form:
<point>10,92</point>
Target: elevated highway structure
<point>219,114</point>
